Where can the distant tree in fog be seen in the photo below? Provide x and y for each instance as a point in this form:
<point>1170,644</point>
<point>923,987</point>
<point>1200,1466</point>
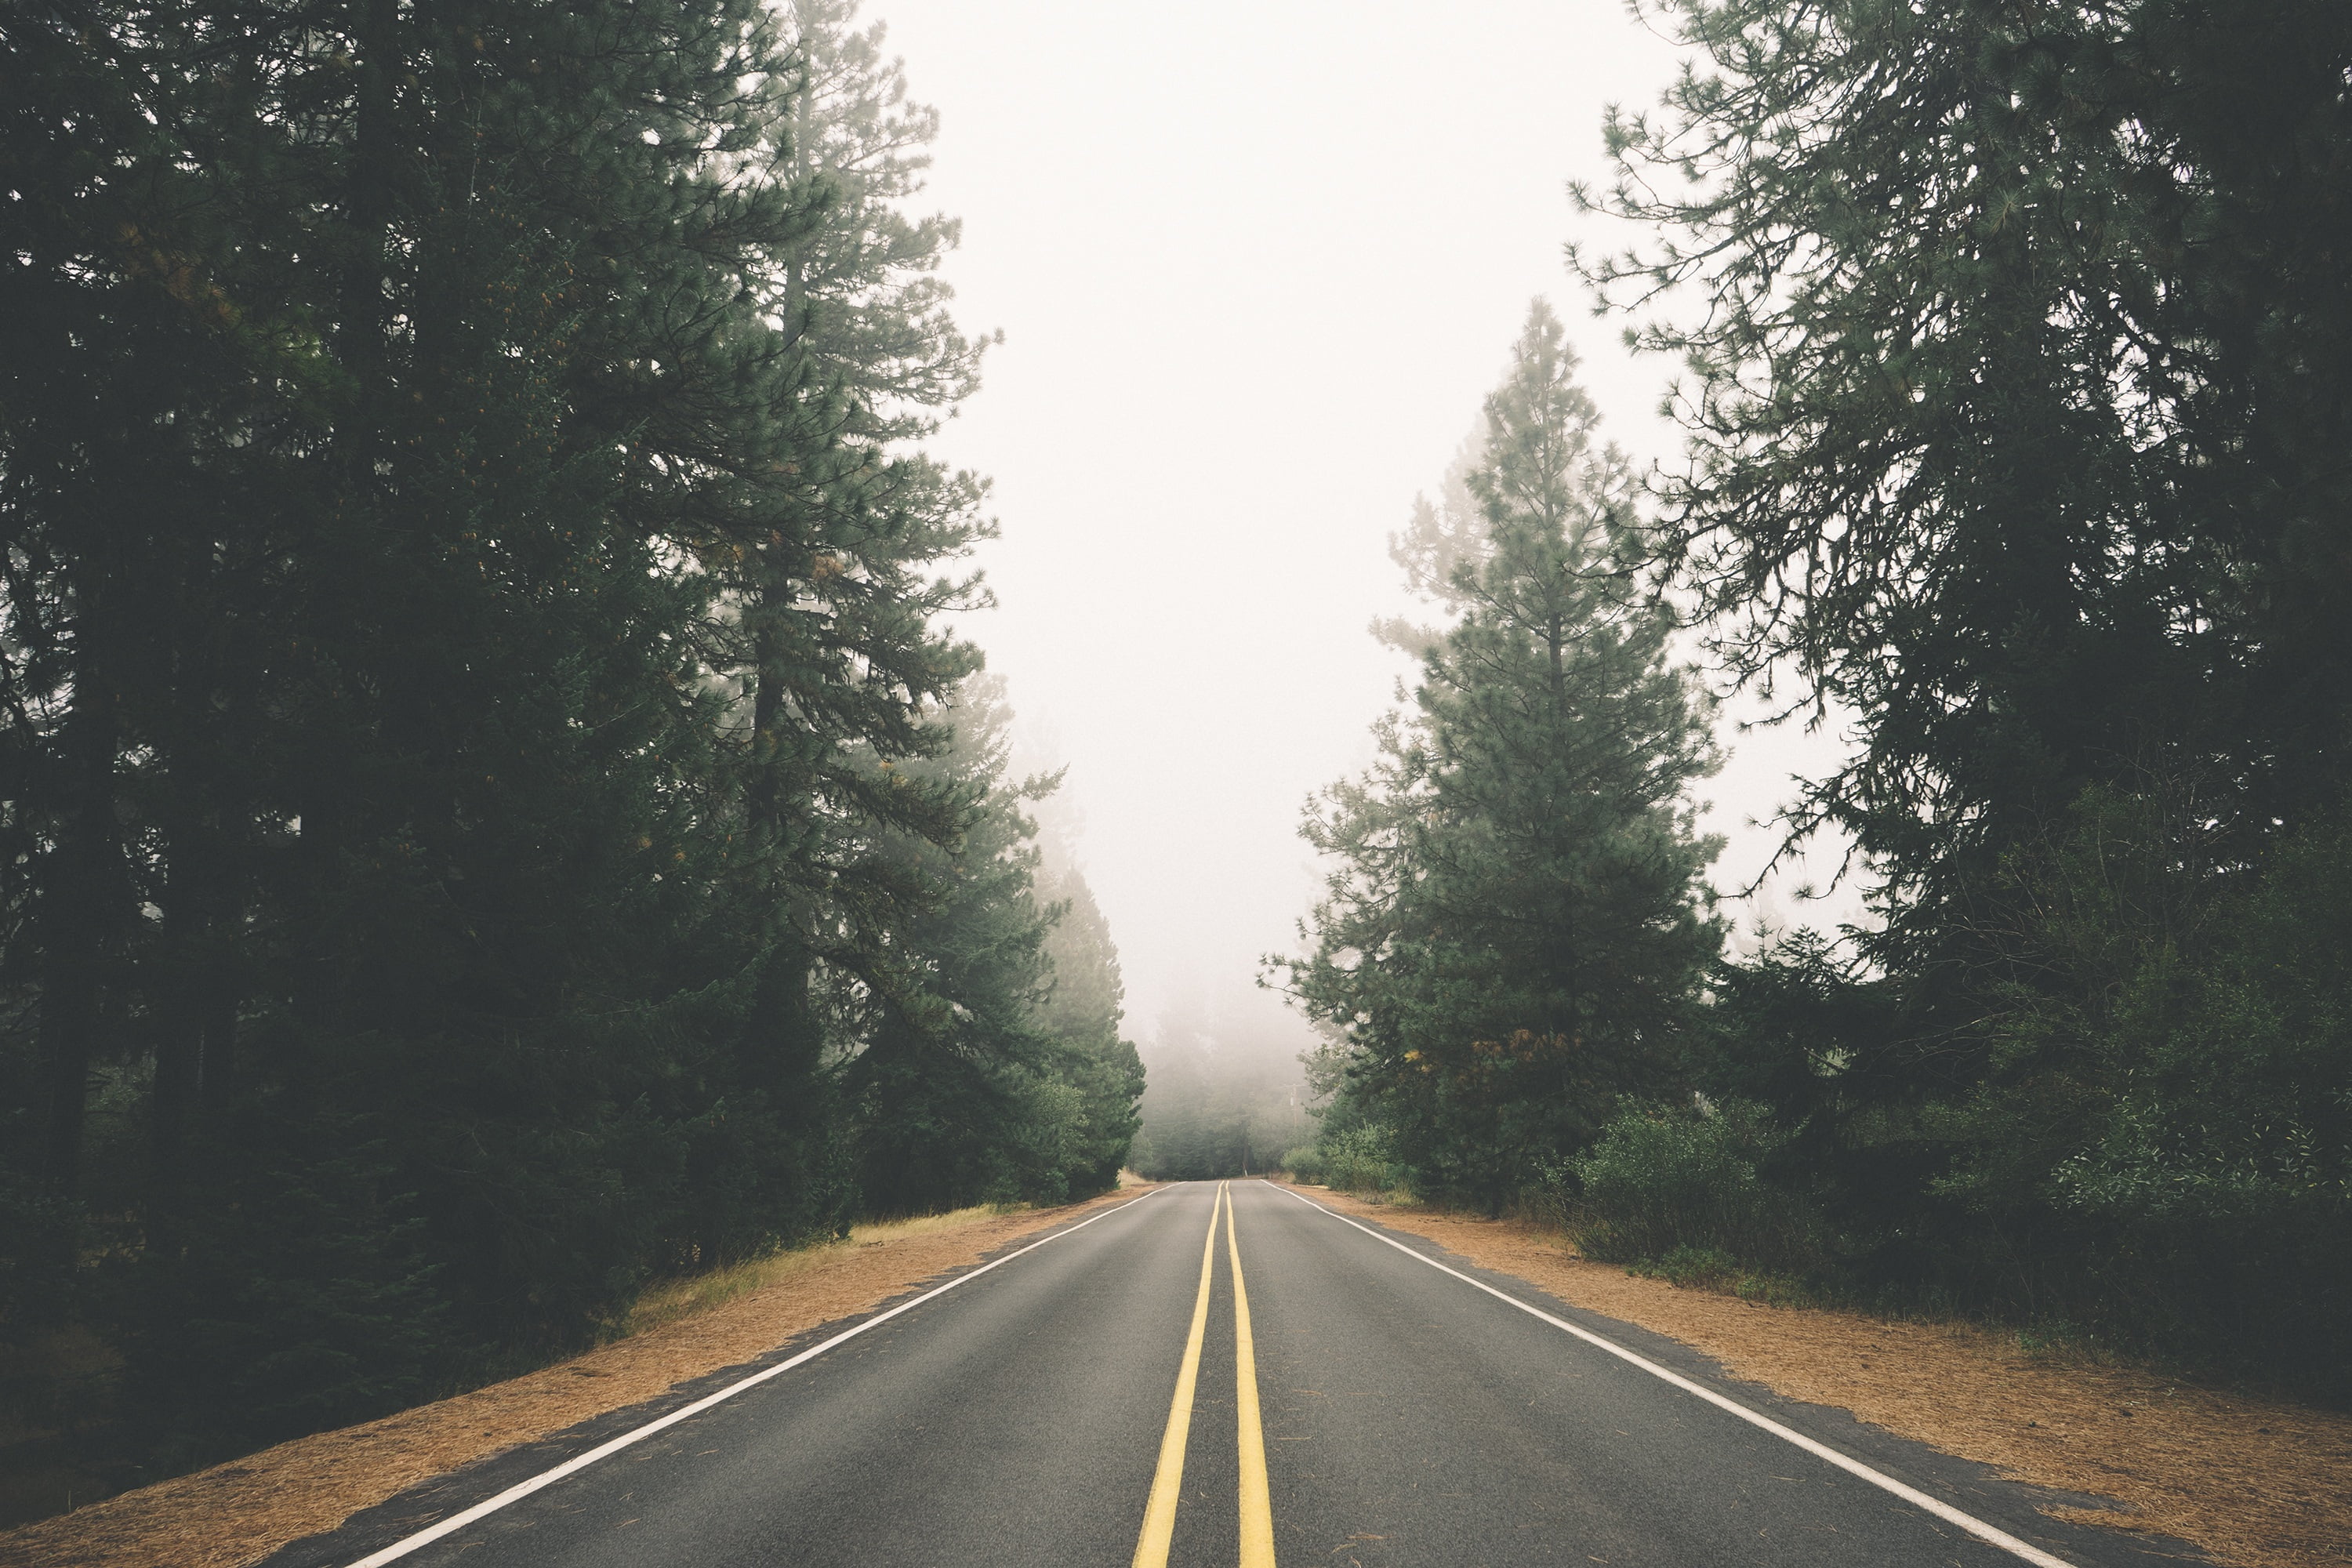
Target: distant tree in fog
<point>1442,537</point>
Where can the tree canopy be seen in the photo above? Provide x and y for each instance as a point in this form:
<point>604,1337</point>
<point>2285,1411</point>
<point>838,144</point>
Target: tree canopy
<point>2015,393</point>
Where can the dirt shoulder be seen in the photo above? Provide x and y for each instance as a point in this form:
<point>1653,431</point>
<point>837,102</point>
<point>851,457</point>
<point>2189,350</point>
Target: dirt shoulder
<point>239,1513</point>
<point>2256,1483</point>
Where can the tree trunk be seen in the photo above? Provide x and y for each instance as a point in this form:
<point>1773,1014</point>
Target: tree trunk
<point>75,895</point>
<point>197,1035</point>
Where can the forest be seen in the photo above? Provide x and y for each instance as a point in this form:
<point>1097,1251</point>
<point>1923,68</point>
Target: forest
<point>495,810</point>
<point>2013,357</point>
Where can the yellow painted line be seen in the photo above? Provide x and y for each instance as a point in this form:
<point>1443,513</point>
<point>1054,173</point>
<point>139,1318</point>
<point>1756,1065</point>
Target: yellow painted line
<point>1168,1482</point>
<point>1257,1505</point>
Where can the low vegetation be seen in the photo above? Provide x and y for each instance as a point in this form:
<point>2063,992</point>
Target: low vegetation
<point>672,1300</point>
<point>1683,1190</point>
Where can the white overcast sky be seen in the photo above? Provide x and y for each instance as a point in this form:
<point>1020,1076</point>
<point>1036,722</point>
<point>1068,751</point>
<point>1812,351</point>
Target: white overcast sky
<point>1256,265</point>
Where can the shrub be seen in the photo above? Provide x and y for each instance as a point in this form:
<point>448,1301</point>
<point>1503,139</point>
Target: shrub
<point>1362,1159</point>
<point>1661,1183</point>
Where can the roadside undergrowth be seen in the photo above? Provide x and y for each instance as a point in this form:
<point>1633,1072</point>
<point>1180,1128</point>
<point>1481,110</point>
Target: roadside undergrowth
<point>1711,1268</point>
<point>668,1300</point>
<point>2052,1341</point>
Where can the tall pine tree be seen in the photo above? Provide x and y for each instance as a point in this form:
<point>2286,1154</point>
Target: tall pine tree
<point>2016,397</point>
<point>1515,922</point>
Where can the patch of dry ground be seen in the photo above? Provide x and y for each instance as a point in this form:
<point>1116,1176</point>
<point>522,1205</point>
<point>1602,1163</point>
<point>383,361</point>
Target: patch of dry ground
<point>241,1512</point>
<point>2258,1483</point>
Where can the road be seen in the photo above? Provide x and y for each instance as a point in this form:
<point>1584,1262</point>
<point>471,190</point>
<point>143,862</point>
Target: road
<point>1088,1399</point>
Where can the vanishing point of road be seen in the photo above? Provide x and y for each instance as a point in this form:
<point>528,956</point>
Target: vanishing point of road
<point>1221,1373</point>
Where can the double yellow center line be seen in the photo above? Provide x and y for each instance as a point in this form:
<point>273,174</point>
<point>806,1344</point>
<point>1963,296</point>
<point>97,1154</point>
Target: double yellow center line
<point>1168,1482</point>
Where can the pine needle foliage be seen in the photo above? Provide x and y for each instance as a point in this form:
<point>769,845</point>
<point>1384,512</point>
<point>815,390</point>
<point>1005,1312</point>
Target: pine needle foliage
<point>1515,917</point>
<point>2014,359</point>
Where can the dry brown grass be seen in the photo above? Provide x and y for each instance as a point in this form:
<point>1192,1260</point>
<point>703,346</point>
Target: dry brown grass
<point>239,1513</point>
<point>2256,1482</point>
<point>684,1298</point>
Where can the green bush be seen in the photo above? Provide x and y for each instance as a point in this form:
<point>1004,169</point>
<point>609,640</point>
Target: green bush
<point>2158,1149</point>
<point>1659,1184</point>
<point>1362,1159</point>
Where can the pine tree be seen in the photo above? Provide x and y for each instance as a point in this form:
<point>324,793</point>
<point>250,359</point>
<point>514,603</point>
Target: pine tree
<point>1993,441</point>
<point>2016,351</point>
<point>1085,1011</point>
<point>975,1080</point>
<point>824,632</point>
<point>948,1047</point>
<point>1516,922</point>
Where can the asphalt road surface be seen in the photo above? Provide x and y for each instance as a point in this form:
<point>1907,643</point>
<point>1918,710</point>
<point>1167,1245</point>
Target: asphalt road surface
<point>1123,1394</point>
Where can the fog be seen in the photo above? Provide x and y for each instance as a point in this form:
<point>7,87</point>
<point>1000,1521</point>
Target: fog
<point>1256,265</point>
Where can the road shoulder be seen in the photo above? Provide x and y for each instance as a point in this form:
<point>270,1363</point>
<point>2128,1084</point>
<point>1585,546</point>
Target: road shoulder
<point>245,1511</point>
<point>2258,1483</point>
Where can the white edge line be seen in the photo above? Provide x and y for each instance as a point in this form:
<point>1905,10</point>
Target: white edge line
<point>1853,1467</point>
<point>522,1489</point>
